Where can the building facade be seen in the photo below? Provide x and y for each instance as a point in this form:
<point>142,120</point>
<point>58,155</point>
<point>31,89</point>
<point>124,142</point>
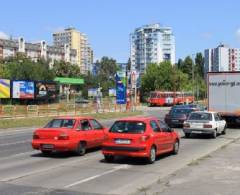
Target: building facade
<point>78,41</point>
<point>35,51</point>
<point>151,44</point>
<point>223,58</point>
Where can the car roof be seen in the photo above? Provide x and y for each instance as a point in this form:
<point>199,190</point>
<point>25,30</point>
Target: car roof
<point>74,117</point>
<point>138,118</point>
<point>210,112</point>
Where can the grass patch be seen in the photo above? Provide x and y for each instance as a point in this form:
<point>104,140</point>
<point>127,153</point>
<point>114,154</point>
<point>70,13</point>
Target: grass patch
<point>41,121</point>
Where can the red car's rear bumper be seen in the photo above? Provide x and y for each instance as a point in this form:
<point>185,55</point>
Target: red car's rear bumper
<point>51,145</point>
<point>132,151</point>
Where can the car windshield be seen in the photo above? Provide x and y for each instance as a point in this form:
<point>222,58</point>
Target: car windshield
<point>200,116</point>
<point>180,111</point>
<point>61,123</point>
<point>128,127</point>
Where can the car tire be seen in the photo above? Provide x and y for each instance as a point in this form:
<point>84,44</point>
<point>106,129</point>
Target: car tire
<point>152,155</point>
<point>108,158</point>
<point>187,135</point>
<point>81,149</point>
<point>224,130</point>
<point>46,152</point>
<point>176,147</point>
<point>214,135</point>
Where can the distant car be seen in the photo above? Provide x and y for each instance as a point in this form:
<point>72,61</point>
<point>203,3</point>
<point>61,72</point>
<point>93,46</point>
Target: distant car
<point>196,107</point>
<point>204,122</point>
<point>69,134</point>
<point>144,137</point>
<point>177,116</point>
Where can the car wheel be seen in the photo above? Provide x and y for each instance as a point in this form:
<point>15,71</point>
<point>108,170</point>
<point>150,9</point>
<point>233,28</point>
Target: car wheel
<point>81,149</point>
<point>224,130</point>
<point>46,152</point>
<point>152,155</point>
<point>187,135</point>
<point>214,135</point>
<point>108,158</point>
<point>176,147</point>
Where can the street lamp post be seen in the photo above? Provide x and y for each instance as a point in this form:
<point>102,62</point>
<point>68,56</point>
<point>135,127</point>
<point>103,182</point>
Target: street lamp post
<point>193,75</point>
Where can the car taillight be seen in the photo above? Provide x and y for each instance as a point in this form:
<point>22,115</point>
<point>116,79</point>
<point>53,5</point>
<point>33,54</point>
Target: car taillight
<point>207,126</point>
<point>144,138</point>
<point>36,136</point>
<point>186,125</point>
<point>63,137</point>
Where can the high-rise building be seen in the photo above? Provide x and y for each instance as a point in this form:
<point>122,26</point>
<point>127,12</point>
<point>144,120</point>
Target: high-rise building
<point>77,41</point>
<point>222,58</point>
<point>35,51</point>
<point>151,44</point>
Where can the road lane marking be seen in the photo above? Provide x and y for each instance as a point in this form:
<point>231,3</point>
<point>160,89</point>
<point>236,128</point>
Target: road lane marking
<point>98,175</point>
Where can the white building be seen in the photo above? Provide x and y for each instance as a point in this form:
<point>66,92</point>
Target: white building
<point>222,58</point>
<point>151,44</point>
<point>35,51</point>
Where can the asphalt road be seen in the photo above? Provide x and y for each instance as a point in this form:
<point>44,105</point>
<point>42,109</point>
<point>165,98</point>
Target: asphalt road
<point>24,171</point>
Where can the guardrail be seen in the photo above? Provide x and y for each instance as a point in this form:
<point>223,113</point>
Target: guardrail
<point>15,111</point>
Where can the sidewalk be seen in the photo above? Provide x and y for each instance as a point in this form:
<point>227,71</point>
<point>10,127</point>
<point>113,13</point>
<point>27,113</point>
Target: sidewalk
<point>215,174</point>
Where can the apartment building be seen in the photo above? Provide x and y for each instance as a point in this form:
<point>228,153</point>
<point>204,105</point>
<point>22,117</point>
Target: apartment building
<point>222,58</point>
<point>151,44</point>
<point>35,51</point>
<point>78,41</point>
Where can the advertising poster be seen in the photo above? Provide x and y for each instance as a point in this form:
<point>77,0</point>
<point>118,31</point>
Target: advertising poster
<point>4,88</point>
<point>45,90</point>
<point>23,89</point>
<point>112,92</point>
<point>120,88</point>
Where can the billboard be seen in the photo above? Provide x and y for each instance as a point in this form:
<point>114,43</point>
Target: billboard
<point>112,92</point>
<point>92,92</point>
<point>120,88</point>
<point>23,89</point>
<point>45,90</point>
<point>4,88</point>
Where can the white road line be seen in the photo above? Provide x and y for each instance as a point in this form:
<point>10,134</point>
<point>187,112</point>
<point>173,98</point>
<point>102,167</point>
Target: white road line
<point>14,143</point>
<point>98,175</point>
<point>16,132</point>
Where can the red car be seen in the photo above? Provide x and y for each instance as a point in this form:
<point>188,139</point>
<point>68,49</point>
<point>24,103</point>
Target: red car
<point>140,137</point>
<point>69,134</point>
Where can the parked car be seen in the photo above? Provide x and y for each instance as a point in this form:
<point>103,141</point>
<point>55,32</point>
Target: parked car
<point>81,101</point>
<point>177,116</point>
<point>69,134</point>
<point>140,137</point>
<point>204,122</point>
<point>196,107</point>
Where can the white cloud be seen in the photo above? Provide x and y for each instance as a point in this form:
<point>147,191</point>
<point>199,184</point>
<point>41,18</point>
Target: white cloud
<point>3,35</point>
<point>238,34</point>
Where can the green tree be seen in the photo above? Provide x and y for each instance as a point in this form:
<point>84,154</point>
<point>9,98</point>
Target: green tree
<point>199,65</point>
<point>187,66</point>
<point>65,69</point>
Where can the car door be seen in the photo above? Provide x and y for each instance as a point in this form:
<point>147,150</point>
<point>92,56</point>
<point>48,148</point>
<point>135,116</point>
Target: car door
<point>221,122</point>
<point>98,131</point>
<point>168,137</point>
<point>159,138</point>
<point>88,132</point>
<point>218,123</point>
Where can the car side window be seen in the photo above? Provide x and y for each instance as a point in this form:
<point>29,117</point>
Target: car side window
<point>154,126</point>
<point>96,125</point>
<point>85,125</point>
<point>216,117</point>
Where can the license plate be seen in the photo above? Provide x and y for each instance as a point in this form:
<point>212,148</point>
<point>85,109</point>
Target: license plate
<point>199,132</point>
<point>47,146</point>
<point>122,141</point>
<point>174,120</point>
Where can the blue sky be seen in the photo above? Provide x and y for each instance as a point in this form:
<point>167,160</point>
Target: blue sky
<point>196,24</point>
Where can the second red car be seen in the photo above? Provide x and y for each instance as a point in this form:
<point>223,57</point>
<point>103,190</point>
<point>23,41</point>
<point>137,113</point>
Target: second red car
<point>140,137</point>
